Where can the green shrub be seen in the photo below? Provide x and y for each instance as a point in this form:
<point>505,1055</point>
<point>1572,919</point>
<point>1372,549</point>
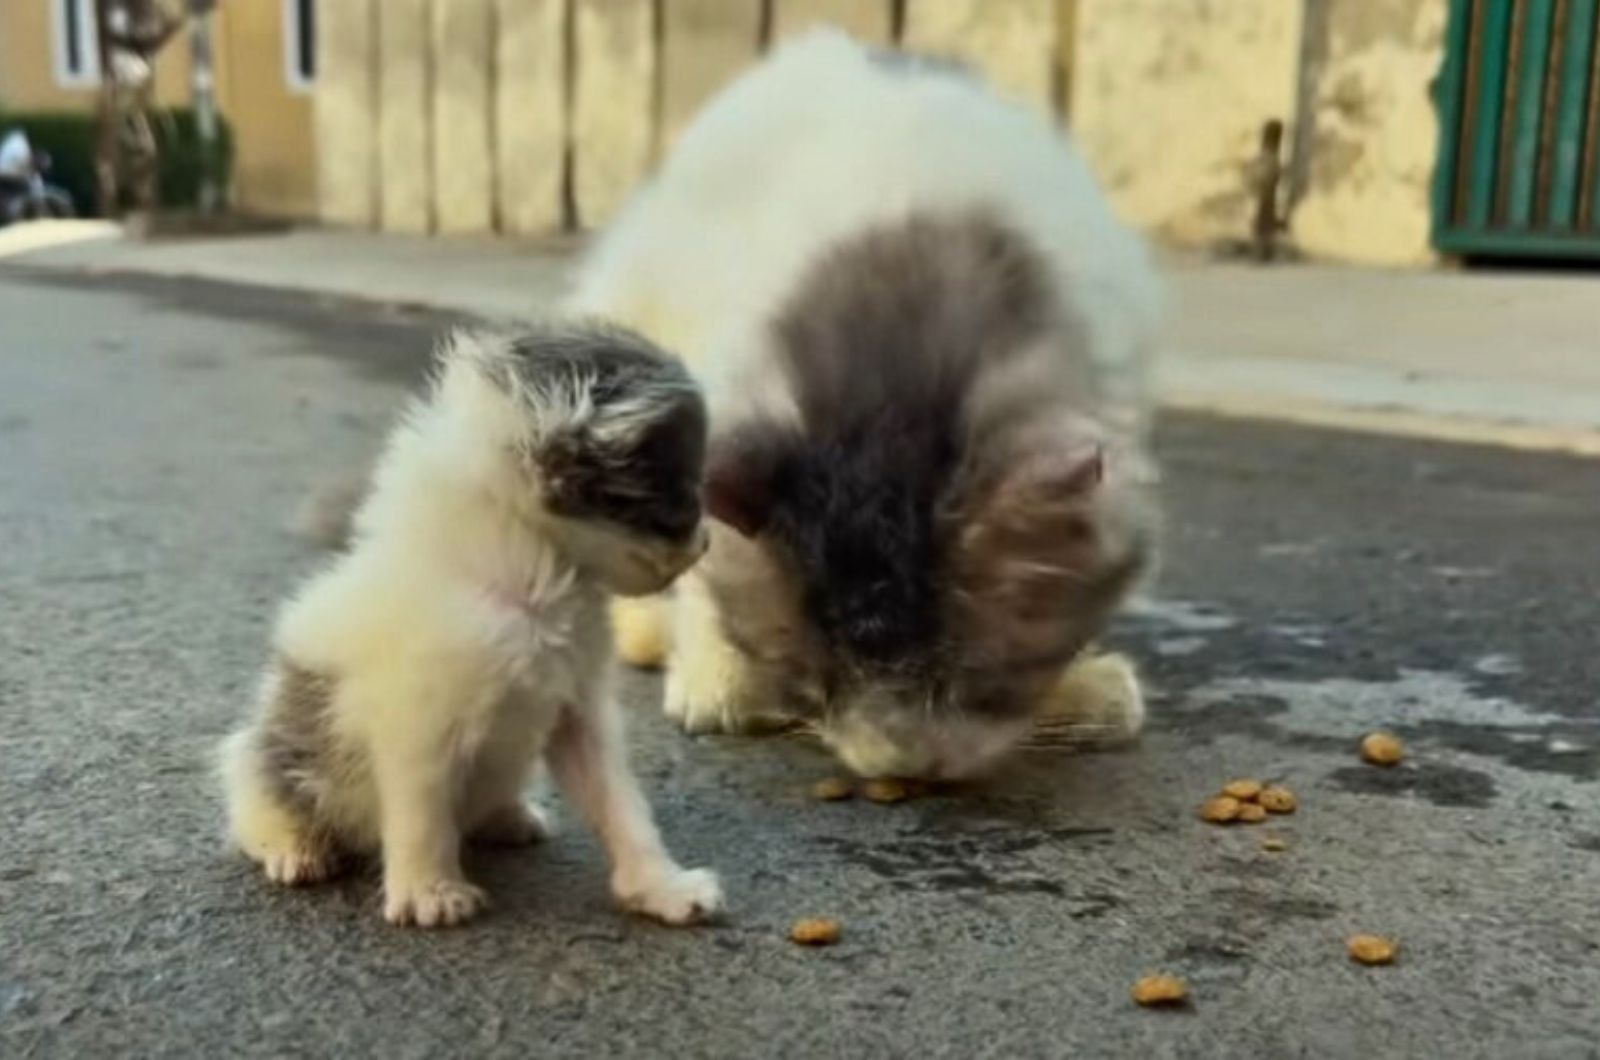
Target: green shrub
<point>69,138</point>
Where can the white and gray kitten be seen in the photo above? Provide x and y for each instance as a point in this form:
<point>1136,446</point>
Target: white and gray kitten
<point>461,639</point>
<point>925,342</point>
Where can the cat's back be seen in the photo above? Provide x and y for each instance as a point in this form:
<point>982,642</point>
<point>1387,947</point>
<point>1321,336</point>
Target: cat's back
<point>826,139</point>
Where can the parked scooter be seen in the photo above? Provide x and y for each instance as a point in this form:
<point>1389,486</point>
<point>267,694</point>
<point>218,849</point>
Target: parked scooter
<point>24,193</point>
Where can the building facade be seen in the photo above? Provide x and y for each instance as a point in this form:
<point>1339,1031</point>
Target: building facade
<point>264,63</point>
<point>524,117</point>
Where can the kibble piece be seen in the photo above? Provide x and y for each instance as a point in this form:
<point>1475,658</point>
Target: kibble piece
<point>1251,813</point>
<point>1160,990</point>
<point>832,789</point>
<point>815,931</point>
<point>1277,799</point>
<point>1274,845</point>
<point>1371,949</point>
<point>1382,749</point>
<point>1243,790</point>
<point>1220,810</point>
<point>885,789</point>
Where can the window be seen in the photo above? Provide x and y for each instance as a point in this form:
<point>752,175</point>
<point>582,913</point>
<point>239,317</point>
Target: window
<point>76,45</point>
<point>300,43</point>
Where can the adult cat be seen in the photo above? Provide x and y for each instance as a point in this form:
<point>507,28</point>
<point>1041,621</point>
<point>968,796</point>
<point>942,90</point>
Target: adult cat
<point>924,341</point>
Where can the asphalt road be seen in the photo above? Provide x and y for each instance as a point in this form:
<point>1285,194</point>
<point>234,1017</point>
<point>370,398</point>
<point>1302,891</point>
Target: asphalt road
<point>154,435</point>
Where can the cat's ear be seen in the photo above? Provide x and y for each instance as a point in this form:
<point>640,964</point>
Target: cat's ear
<point>1034,518</point>
<point>739,486</point>
<point>1071,471</point>
<point>1028,544</point>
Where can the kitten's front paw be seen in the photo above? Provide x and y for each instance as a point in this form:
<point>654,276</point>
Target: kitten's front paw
<point>297,866</point>
<point>432,903</point>
<point>516,824</point>
<point>673,895</point>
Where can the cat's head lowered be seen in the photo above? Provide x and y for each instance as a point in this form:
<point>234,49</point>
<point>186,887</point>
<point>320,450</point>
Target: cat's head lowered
<point>916,545</point>
<point>592,434</point>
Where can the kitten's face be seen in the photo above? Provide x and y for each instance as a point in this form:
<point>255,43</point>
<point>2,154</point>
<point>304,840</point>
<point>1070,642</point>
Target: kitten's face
<point>918,634</point>
<point>614,451</point>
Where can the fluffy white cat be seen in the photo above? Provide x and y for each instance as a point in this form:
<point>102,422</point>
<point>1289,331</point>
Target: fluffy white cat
<point>925,343</point>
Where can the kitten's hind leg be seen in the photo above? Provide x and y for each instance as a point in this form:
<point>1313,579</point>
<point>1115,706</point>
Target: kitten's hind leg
<point>289,847</point>
<point>497,813</point>
<point>710,686</point>
<point>641,628</point>
<point>512,823</point>
<point>1096,700</point>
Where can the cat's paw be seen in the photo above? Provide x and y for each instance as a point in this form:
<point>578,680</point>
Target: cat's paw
<point>516,824</point>
<point>1097,701</point>
<point>671,895</point>
<point>298,864</point>
<point>707,704</point>
<point>639,627</point>
<point>431,903</point>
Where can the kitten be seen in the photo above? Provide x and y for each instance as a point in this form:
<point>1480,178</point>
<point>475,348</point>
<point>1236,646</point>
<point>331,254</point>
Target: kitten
<point>925,343</point>
<point>462,638</point>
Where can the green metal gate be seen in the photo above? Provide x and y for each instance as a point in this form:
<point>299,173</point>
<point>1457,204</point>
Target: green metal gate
<point>1519,151</point>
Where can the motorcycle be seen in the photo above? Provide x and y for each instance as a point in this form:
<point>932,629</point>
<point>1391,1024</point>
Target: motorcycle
<point>24,193</point>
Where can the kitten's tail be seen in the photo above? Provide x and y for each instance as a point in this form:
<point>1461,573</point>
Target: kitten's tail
<point>326,515</point>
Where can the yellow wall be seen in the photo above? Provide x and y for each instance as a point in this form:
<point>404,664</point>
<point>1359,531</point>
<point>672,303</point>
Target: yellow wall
<point>274,170</point>
<point>1375,135</point>
<point>27,63</point>
<point>1168,98</point>
<point>275,151</point>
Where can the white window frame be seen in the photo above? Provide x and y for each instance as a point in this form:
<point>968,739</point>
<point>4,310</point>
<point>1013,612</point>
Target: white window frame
<point>297,81</point>
<point>88,74</point>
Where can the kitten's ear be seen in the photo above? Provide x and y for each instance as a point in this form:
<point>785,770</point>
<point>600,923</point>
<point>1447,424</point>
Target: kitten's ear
<point>739,485</point>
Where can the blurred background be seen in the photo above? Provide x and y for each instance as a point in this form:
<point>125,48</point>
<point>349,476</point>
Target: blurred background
<point>1372,131</point>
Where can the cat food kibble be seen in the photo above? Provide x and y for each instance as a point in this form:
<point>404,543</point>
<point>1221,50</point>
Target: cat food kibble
<point>1243,790</point>
<point>1371,949</point>
<point>1276,799</point>
<point>1160,990</point>
<point>1220,810</point>
<point>885,789</point>
<point>832,789</point>
<point>1252,813</point>
<point>1274,845</point>
<point>1382,749</point>
<point>815,931</point>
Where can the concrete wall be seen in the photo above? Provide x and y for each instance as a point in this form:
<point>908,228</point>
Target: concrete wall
<point>1013,42</point>
<point>1168,98</point>
<point>531,115</point>
<point>541,113</point>
<point>1374,132</point>
<point>274,169</point>
<point>346,113</point>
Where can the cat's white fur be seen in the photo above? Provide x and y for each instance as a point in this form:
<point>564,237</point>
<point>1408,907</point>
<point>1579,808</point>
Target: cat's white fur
<point>469,642</point>
<point>817,143</point>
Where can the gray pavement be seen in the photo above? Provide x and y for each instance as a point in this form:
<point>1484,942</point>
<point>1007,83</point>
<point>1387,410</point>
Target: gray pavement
<point>1511,358</point>
<point>155,435</point>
